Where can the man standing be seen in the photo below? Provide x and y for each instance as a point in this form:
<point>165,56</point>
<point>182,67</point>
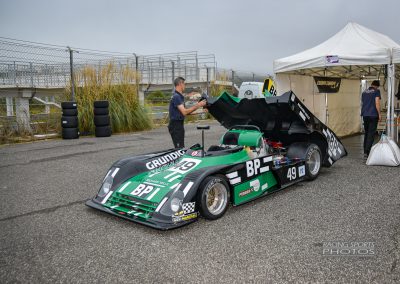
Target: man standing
<point>370,111</point>
<point>177,113</point>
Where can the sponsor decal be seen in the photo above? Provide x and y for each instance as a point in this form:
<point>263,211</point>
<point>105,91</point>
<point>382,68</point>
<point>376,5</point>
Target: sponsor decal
<point>255,184</point>
<point>253,167</point>
<point>188,207</point>
<point>302,171</point>
<point>179,213</point>
<point>196,153</point>
<point>331,59</point>
<point>164,160</point>
<point>327,84</point>
<point>143,190</point>
<point>184,217</point>
<point>246,192</point>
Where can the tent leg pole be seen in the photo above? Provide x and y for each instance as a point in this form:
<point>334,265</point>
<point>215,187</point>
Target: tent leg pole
<point>390,108</point>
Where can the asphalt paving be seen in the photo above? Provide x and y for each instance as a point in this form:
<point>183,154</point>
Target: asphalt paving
<point>48,235</point>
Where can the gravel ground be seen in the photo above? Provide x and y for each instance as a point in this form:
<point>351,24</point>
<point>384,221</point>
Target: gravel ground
<point>48,235</point>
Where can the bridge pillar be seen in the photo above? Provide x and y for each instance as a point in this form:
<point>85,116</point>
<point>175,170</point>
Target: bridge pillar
<point>10,106</point>
<point>141,97</point>
<point>22,111</point>
<point>46,107</point>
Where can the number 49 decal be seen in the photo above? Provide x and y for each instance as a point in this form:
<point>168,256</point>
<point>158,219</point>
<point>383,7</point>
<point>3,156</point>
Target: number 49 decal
<point>292,173</point>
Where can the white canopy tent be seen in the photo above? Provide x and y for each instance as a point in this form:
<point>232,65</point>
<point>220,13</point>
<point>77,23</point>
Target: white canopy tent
<point>353,54</point>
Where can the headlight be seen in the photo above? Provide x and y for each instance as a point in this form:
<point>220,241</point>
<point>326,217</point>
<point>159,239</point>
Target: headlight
<point>175,204</point>
<point>105,188</point>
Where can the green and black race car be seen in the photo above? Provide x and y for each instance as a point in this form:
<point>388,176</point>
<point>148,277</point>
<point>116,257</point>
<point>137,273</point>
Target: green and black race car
<point>269,144</point>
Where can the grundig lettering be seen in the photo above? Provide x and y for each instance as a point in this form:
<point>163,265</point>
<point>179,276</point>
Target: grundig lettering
<point>163,160</point>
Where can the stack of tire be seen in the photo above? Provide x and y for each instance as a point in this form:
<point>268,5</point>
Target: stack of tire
<point>102,119</point>
<point>69,120</point>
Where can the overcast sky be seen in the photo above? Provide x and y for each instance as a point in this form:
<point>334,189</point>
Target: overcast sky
<point>244,35</point>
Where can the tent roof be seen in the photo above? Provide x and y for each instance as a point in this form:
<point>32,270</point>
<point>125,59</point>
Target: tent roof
<point>347,52</point>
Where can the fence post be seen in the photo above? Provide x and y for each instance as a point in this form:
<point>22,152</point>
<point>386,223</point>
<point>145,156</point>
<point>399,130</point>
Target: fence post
<point>15,74</point>
<point>173,72</point>
<point>31,69</point>
<point>208,81</point>
<point>197,69</point>
<point>71,65</point>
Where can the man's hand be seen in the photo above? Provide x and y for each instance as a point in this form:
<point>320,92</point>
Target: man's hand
<point>201,103</point>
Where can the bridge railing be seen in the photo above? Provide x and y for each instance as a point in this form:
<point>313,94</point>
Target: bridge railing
<point>28,64</point>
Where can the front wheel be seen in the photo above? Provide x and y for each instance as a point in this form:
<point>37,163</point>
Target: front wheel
<point>213,197</point>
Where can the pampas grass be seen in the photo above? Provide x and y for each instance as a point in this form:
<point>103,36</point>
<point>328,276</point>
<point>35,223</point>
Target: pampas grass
<point>117,86</point>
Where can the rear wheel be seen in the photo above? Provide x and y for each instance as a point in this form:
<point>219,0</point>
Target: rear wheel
<point>313,161</point>
<point>213,197</point>
<point>311,154</point>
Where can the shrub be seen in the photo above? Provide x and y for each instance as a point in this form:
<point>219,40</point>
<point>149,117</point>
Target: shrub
<point>158,97</point>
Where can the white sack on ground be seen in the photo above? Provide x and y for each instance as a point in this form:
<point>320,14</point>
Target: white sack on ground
<point>384,153</point>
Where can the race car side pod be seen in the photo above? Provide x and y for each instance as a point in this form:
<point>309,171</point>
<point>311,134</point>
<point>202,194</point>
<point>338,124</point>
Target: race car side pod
<point>202,128</point>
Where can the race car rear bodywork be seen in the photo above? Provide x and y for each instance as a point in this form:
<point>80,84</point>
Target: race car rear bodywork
<point>270,144</point>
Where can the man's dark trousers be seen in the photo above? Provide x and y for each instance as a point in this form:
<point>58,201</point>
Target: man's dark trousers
<point>370,125</point>
<point>177,132</point>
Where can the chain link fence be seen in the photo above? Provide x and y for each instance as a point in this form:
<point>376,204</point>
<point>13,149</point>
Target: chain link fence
<point>35,78</point>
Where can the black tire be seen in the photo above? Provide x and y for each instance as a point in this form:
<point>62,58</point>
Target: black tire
<point>68,105</point>
<point>101,111</point>
<point>69,121</point>
<point>103,131</point>
<point>70,112</point>
<point>206,185</point>
<point>101,104</point>
<point>311,154</point>
<point>70,133</point>
<point>101,120</point>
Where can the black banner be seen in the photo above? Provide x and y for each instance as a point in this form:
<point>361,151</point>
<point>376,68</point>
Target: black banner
<point>327,84</point>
